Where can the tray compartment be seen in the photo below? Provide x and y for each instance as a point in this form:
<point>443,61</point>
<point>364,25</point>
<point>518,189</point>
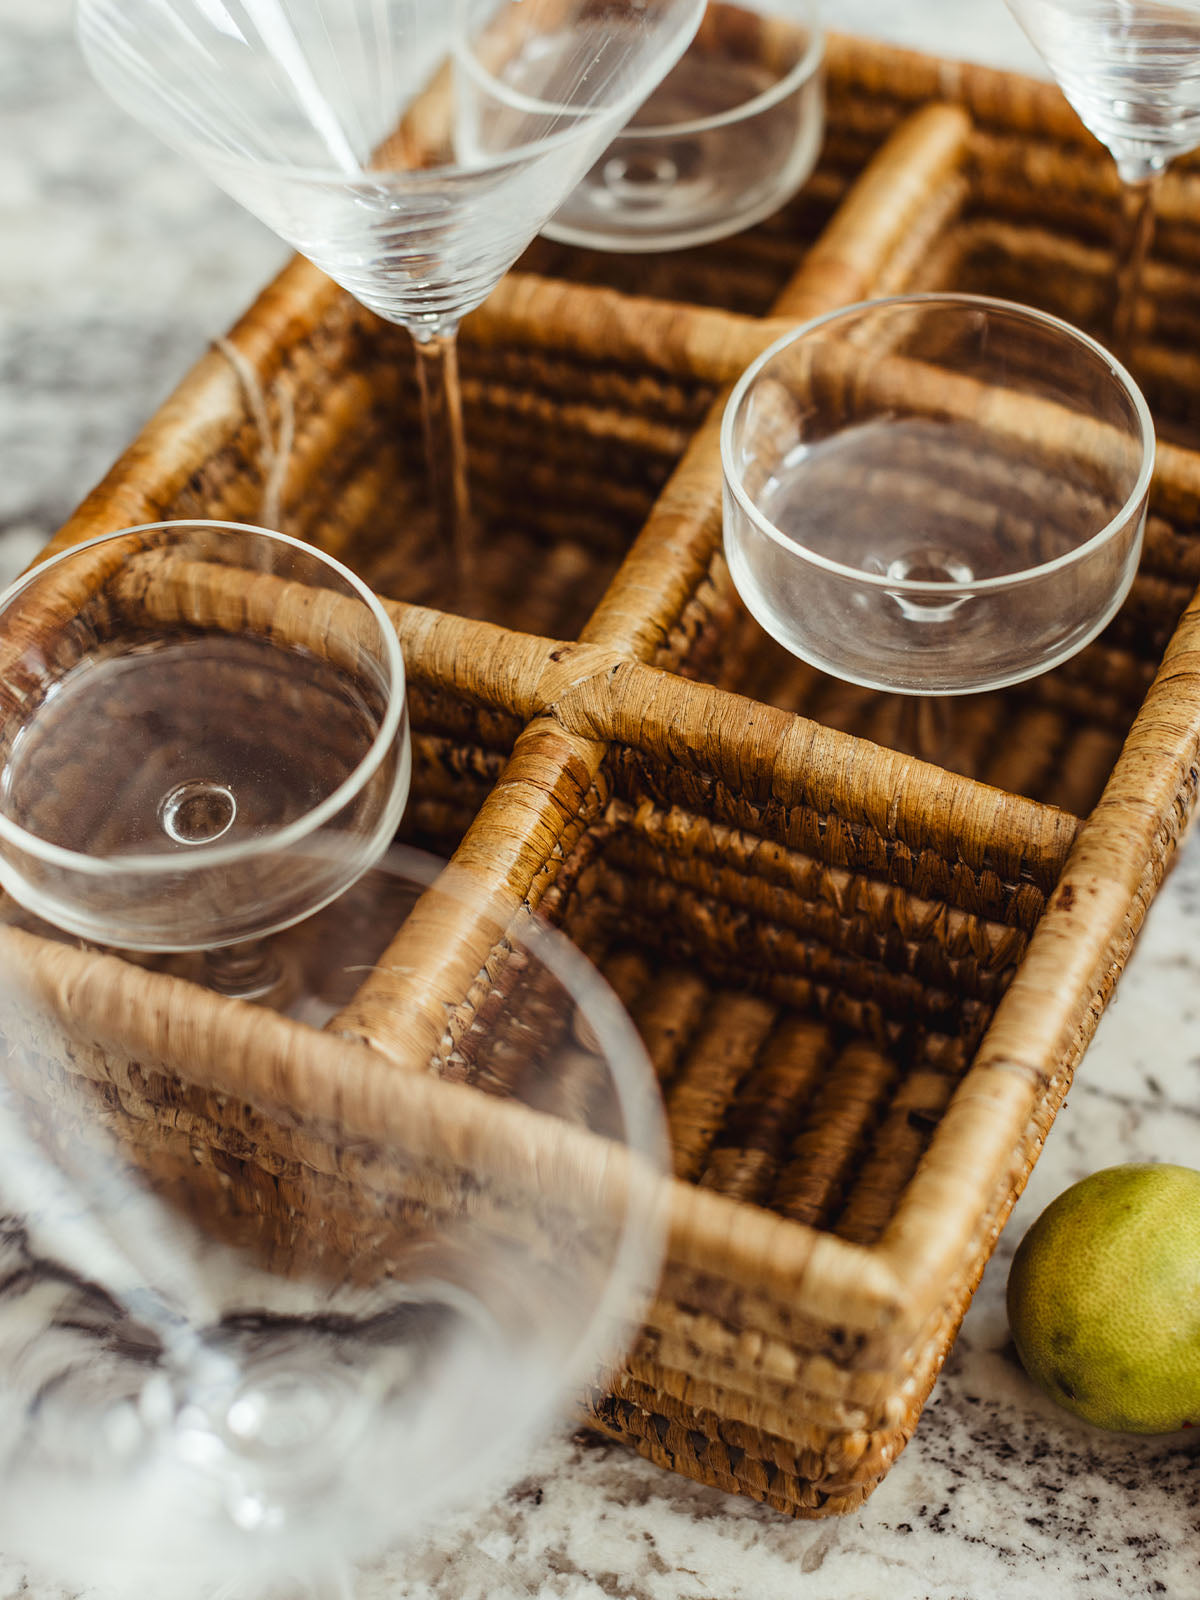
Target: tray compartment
<point>810,983</point>
<point>306,418</point>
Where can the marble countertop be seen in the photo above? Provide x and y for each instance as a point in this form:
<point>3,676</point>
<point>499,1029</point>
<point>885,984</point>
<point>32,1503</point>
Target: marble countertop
<point>117,265</point>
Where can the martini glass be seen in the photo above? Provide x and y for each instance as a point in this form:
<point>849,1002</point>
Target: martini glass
<point>1131,69</point>
<point>263,1322</point>
<point>185,705</point>
<point>935,495</point>
<point>411,150</point>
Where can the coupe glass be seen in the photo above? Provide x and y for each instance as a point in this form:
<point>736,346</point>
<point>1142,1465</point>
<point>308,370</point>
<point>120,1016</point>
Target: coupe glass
<point>725,140</point>
<point>268,1302</point>
<point>185,705</point>
<point>935,494</point>
<point>1131,69</point>
<point>411,150</point>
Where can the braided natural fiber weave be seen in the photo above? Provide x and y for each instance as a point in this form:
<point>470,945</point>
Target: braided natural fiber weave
<point>864,982</point>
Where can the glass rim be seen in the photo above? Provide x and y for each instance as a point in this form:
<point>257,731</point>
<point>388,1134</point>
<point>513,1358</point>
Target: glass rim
<point>942,587</point>
<point>807,67</point>
<point>415,178</point>
<point>217,854</point>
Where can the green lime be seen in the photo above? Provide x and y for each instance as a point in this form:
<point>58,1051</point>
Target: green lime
<point>1104,1299</point>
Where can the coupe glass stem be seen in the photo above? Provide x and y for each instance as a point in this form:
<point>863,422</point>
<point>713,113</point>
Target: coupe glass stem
<point>446,455</point>
<point>245,971</point>
<point>1139,189</point>
<point>925,727</point>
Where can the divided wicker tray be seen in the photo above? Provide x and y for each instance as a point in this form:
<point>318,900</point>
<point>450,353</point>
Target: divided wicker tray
<point>863,981</point>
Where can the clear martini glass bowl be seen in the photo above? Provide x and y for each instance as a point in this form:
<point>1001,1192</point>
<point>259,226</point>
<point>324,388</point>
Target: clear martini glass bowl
<point>1131,69</point>
<point>411,150</point>
<point>935,495</point>
<point>268,1301</point>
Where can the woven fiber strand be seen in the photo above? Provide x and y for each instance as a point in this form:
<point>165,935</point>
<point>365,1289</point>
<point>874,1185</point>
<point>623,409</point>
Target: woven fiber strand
<point>864,982</point>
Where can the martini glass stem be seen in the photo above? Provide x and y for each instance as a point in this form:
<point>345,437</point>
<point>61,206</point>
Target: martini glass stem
<point>446,454</point>
<point>1139,189</point>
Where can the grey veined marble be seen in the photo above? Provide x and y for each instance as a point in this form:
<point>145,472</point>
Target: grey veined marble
<point>117,265</point>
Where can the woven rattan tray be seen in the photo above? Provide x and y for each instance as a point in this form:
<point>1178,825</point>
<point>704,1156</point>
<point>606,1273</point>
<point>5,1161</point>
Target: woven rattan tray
<point>864,982</point>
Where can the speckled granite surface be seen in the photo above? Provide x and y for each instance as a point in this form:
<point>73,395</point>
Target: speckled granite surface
<point>117,264</point>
